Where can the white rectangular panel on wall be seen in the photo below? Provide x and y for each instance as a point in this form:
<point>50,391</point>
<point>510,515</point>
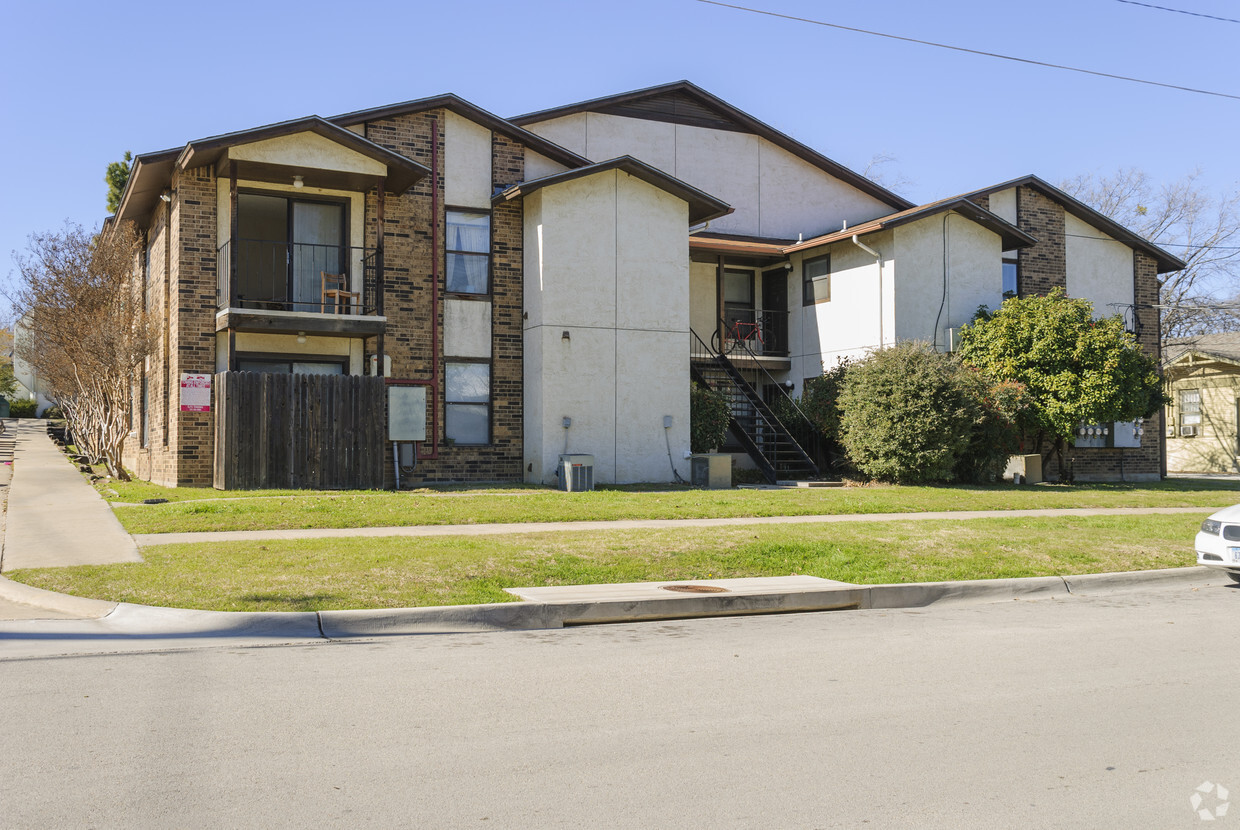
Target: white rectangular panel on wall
<point>467,328</point>
<point>466,163</point>
<point>406,413</point>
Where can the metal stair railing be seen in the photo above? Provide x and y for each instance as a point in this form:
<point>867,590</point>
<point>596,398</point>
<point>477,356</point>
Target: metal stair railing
<point>764,437</point>
<point>802,431</point>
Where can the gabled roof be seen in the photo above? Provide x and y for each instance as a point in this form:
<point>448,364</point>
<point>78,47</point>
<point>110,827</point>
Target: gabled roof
<point>1165,261</point>
<point>474,113</point>
<point>683,102</point>
<point>151,172</point>
<point>1011,236</point>
<point>1223,347</point>
<point>702,206</point>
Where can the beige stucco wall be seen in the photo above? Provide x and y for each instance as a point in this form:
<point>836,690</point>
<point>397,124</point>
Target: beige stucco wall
<point>537,165</point>
<point>974,276</point>
<point>849,324</point>
<point>307,150</point>
<point>774,192</point>
<point>606,260</point>
<point>255,342</point>
<point>466,163</point>
<point>1099,268</point>
<point>703,303</point>
<point>1214,448</point>
<point>1003,204</point>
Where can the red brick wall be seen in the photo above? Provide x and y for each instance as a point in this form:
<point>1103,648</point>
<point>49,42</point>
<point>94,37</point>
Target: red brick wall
<point>408,300</point>
<point>1042,266</point>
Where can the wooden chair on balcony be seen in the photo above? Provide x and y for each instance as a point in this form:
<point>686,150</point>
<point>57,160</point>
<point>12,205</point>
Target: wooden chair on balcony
<point>336,294</point>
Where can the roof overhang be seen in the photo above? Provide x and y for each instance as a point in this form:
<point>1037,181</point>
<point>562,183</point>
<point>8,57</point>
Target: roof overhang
<point>1165,262</point>
<point>474,113</point>
<point>702,206</point>
<point>1011,237</point>
<point>741,250</point>
<point>152,173</point>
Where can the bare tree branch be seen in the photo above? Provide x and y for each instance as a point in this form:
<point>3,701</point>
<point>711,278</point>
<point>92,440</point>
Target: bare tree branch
<point>1199,227</point>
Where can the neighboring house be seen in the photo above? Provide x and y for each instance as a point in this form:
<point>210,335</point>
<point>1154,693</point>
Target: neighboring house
<point>29,387</point>
<point>1203,419</point>
<point>552,282</point>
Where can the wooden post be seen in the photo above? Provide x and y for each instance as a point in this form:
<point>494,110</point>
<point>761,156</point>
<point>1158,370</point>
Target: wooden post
<point>379,282</point>
<point>232,233</point>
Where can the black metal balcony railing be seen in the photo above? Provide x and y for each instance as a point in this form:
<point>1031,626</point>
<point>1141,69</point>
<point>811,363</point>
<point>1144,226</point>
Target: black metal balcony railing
<point>764,333</point>
<point>284,276</point>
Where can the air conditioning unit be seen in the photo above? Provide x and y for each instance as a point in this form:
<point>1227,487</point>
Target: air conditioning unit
<point>576,473</point>
<point>1188,431</point>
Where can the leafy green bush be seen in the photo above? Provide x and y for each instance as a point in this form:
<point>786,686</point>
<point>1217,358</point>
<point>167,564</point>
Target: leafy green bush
<point>1006,410</point>
<point>54,413</point>
<point>709,415</point>
<point>1077,369</point>
<point>24,408</point>
<point>820,402</point>
<point>909,414</point>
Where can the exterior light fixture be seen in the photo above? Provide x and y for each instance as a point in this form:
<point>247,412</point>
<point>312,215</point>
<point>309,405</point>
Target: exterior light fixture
<point>297,182</point>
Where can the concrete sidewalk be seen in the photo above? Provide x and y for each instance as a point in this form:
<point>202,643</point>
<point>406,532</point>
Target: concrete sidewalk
<point>53,518</point>
<point>148,539</point>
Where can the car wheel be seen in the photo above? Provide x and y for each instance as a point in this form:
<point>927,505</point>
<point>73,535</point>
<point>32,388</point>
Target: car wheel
<point>1235,575</point>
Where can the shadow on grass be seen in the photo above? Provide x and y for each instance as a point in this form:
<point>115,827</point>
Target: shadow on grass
<point>276,601</point>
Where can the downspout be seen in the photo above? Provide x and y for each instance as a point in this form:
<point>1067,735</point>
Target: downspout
<point>434,435</point>
<point>878,257</point>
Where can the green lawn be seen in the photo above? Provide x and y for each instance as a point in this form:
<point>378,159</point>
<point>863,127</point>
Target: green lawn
<point>198,509</point>
<point>321,574</point>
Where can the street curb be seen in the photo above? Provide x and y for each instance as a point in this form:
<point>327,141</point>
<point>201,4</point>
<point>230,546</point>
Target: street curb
<point>129,618</point>
<point>1088,584</point>
<point>52,601</point>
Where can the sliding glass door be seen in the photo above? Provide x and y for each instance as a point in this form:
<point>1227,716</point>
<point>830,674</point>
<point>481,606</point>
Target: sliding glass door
<point>283,246</point>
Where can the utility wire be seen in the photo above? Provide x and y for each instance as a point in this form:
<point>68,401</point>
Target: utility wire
<point>1179,11</point>
<point>1160,244</point>
<point>972,51</point>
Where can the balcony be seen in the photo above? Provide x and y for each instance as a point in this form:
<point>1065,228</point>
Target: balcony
<point>266,286</point>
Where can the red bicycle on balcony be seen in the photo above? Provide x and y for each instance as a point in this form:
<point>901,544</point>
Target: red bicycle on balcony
<point>726,338</point>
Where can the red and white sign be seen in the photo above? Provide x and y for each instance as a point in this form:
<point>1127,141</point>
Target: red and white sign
<point>195,393</point>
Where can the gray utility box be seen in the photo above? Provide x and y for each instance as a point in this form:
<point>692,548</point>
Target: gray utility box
<point>712,470</point>
<point>576,473</point>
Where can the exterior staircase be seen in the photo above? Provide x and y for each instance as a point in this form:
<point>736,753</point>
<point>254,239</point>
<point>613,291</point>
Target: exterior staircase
<point>766,439</point>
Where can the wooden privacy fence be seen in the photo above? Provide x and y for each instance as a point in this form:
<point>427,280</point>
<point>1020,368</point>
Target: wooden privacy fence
<point>323,432</point>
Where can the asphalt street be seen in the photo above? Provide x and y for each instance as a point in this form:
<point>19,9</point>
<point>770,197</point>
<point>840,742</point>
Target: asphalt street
<point>1104,711</point>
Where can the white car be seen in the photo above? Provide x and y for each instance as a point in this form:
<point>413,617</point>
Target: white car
<point>1218,542</point>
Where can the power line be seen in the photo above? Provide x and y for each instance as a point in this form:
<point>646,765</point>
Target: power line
<point>1160,244</point>
<point>1179,11</point>
<point>972,51</point>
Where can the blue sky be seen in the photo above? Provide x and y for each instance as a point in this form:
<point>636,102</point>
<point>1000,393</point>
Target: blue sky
<point>83,82</point>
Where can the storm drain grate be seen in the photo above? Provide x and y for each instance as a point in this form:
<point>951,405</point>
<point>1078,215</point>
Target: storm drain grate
<point>695,589</point>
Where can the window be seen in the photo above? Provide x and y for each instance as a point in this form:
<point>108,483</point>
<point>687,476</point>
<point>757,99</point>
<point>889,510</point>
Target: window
<point>468,403</point>
<point>146,275</point>
<point>283,247</point>
<point>1009,278</point>
<point>280,365</point>
<point>1190,411</point>
<point>146,412</point>
<point>816,280</point>
<point>468,250</point>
